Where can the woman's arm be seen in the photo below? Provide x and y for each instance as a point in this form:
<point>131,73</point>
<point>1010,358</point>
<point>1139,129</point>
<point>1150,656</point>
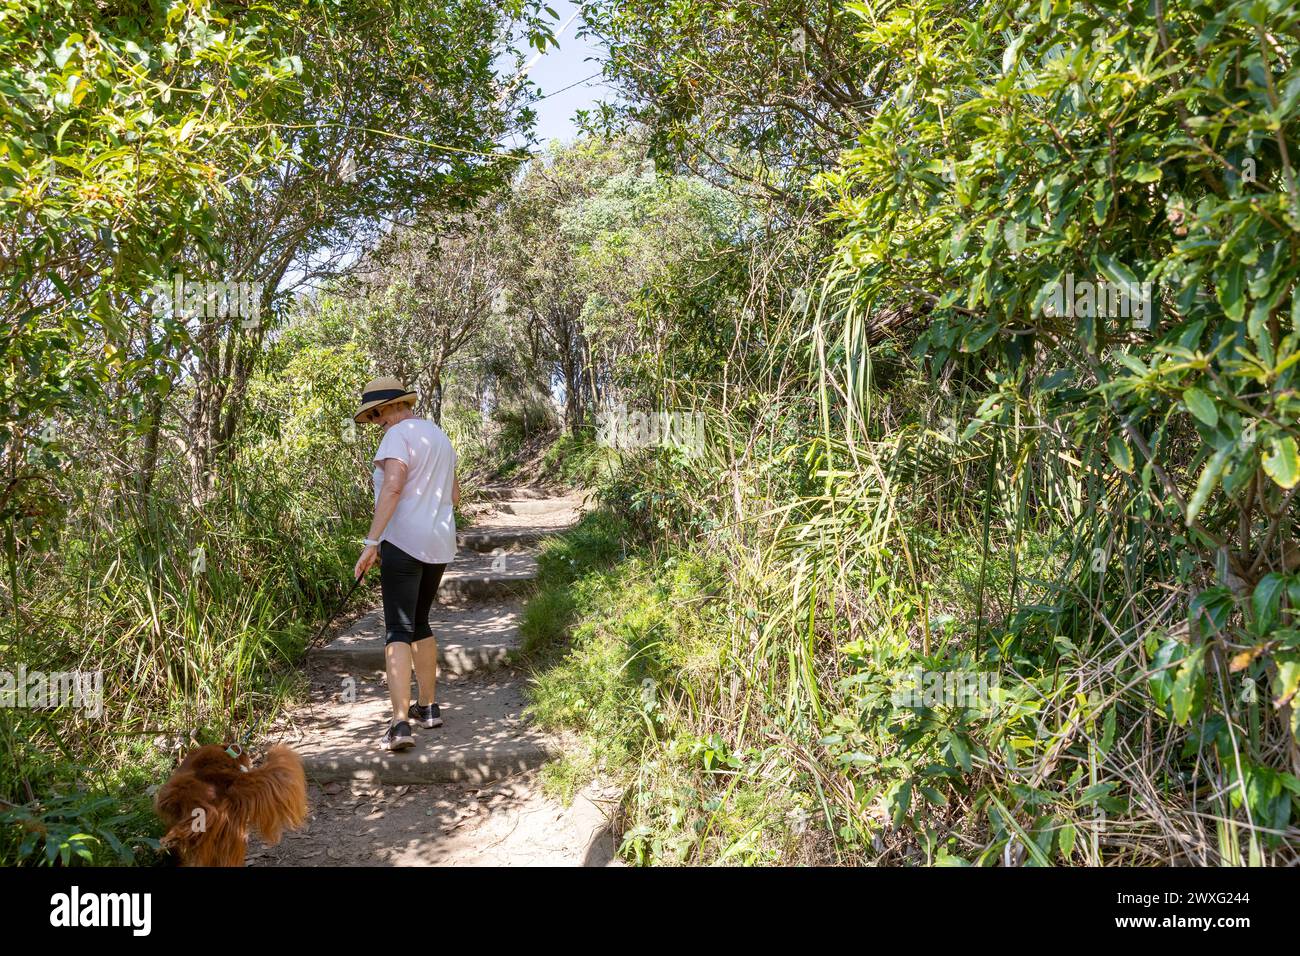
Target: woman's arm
<point>394,482</point>
<point>455,492</point>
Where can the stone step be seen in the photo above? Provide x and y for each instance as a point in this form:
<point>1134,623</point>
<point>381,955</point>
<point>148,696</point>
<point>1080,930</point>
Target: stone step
<point>479,576</point>
<point>483,738</point>
<point>469,639</point>
<point>521,519</point>
<point>506,492</point>
<point>528,506</point>
<point>489,538</point>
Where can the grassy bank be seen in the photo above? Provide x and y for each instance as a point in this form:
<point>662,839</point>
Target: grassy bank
<point>192,614</point>
<point>812,686</point>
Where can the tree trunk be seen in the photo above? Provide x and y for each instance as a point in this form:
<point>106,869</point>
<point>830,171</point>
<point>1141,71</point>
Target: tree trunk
<point>573,405</point>
<point>435,399</point>
<point>149,459</point>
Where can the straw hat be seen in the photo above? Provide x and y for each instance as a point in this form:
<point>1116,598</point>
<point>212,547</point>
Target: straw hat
<point>382,391</point>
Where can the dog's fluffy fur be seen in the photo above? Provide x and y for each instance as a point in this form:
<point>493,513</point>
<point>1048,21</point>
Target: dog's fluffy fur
<point>235,799</point>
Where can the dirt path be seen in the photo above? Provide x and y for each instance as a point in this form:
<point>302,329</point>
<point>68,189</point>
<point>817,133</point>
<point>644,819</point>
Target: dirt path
<point>467,793</point>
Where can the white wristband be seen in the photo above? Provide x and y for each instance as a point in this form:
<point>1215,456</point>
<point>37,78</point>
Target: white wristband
<point>370,542</point>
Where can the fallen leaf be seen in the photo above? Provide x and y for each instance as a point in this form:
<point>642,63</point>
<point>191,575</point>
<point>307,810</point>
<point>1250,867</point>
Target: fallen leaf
<point>1242,661</point>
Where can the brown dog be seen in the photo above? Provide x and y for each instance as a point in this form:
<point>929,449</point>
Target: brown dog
<point>216,798</point>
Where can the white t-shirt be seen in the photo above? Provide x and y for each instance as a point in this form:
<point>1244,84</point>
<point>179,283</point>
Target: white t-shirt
<point>423,525</point>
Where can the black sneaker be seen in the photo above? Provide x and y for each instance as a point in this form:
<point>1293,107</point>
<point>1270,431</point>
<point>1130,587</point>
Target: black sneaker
<point>426,715</point>
<point>399,736</point>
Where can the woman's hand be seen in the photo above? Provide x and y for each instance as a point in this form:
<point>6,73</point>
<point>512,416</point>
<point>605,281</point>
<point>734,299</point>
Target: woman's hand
<point>369,558</point>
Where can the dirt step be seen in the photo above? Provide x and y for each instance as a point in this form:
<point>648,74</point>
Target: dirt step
<point>489,538</point>
<point>530,506</point>
<point>476,576</point>
<point>469,639</point>
<point>509,823</point>
<point>513,521</point>
<point>506,492</point>
<point>484,736</point>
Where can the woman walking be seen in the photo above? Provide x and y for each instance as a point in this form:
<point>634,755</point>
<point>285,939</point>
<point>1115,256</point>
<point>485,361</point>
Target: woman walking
<point>413,539</point>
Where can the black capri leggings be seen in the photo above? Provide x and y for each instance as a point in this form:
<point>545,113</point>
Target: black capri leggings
<point>410,586</point>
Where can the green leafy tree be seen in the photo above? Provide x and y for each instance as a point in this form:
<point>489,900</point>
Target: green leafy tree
<point>1096,207</point>
<point>753,95</point>
<point>429,296</point>
<point>121,134</point>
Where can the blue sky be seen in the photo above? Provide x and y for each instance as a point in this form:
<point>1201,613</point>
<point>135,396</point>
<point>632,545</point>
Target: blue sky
<point>564,76</point>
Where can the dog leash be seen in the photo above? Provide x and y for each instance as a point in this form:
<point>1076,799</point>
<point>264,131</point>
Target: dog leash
<point>344,603</point>
<point>236,750</point>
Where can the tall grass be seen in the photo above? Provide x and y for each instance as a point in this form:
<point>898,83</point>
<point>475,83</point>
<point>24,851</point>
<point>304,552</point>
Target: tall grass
<point>194,616</point>
<point>781,594</point>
